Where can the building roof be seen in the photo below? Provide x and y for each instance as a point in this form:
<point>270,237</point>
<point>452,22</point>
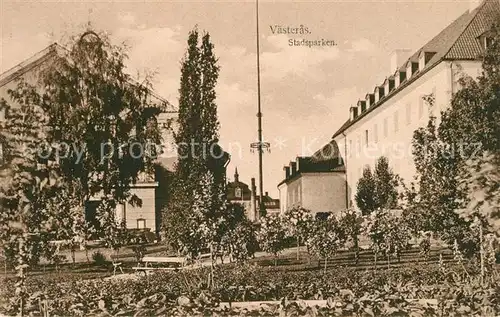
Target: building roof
<point>52,51</point>
<point>458,41</point>
<point>314,164</point>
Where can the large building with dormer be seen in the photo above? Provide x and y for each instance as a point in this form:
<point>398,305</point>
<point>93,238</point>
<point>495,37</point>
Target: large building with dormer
<point>382,122</point>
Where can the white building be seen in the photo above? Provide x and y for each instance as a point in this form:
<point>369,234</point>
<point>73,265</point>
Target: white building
<point>383,121</point>
<point>316,183</point>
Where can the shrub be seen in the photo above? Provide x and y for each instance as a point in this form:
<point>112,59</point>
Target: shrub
<point>99,258</point>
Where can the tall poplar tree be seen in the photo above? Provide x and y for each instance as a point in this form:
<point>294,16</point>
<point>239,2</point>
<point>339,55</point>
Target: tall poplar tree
<point>199,155</point>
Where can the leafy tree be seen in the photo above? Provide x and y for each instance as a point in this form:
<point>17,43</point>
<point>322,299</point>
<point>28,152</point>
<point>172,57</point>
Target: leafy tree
<point>99,124</point>
<point>352,224</point>
<point>377,190</point>
<point>272,235</point>
<point>199,154</point>
<point>327,239</point>
<point>438,195</point>
<point>386,183</point>
<point>299,222</point>
<point>28,191</point>
<point>239,239</point>
<point>376,229</point>
<point>365,194</point>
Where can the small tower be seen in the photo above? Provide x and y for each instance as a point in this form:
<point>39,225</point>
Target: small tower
<point>236,175</point>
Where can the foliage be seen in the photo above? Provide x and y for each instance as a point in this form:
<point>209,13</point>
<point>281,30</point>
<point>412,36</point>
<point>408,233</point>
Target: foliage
<point>99,258</point>
<point>300,224</point>
<point>196,213</point>
<point>410,291</point>
<point>327,239</point>
<point>377,190</point>
<point>240,235</point>
<point>272,234</point>
<point>352,225</point>
<point>365,192</point>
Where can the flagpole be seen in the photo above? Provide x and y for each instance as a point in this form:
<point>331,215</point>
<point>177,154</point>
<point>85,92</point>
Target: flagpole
<point>260,145</point>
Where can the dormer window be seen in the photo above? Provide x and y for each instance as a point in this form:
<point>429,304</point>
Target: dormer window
<point>411,69</point>
<point>389,85</point>
<point>353,113</point>
<point>379,93</point>
<point>237,193</point>
<point>370,100</point>
<point>362,105</point>
<point>424,58</point>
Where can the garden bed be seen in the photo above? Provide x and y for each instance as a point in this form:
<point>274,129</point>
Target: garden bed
<point>339,292</point>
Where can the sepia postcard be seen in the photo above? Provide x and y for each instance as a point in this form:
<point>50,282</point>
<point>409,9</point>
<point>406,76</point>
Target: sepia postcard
<point>250,158</point>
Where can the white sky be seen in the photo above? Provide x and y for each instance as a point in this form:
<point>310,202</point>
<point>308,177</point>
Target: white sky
<point>305,91</point>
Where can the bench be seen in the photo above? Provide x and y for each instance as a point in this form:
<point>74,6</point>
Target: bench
<point>160,260</point>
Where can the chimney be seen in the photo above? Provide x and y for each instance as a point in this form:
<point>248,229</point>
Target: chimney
<point>398,57</point>
<point>293,166</point>
<point>267,194</point>
<point>252,214</point>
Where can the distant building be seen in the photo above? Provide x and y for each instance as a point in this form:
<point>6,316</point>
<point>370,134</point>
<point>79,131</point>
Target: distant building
<point>241,193</point>
<point>383,121</point>
<point>315,182</point>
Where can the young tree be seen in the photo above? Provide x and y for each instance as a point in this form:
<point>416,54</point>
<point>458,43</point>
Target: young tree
<point>299,222</point>
<point>366,192</point>
<point>352,224</point>
<point>376,228</point>
<point>328,238</point>
<point>386,183</point>
<point>272,235</point>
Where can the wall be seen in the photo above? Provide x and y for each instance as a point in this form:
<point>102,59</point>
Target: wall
<point>147,211</point>
<point>283,195</point>
<point>323,192</point>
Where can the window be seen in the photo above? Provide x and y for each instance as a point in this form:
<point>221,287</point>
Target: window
<point>237,193</point>
<point>141,223</point>
<point>386,128</point>
<point>396,121</point>
<point>366,137</point>
<point>421,108</point>
<point>408,113</point>
<point>375,133</point>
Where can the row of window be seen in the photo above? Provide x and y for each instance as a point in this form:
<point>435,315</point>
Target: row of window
<point>365,139</point>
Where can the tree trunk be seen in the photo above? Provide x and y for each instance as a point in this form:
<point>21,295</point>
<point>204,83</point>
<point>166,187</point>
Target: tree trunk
<point>375,253</point>
<point>356,250</point>
<point>481,252</point>
<point>326,263</point>
<point>298,248</point>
